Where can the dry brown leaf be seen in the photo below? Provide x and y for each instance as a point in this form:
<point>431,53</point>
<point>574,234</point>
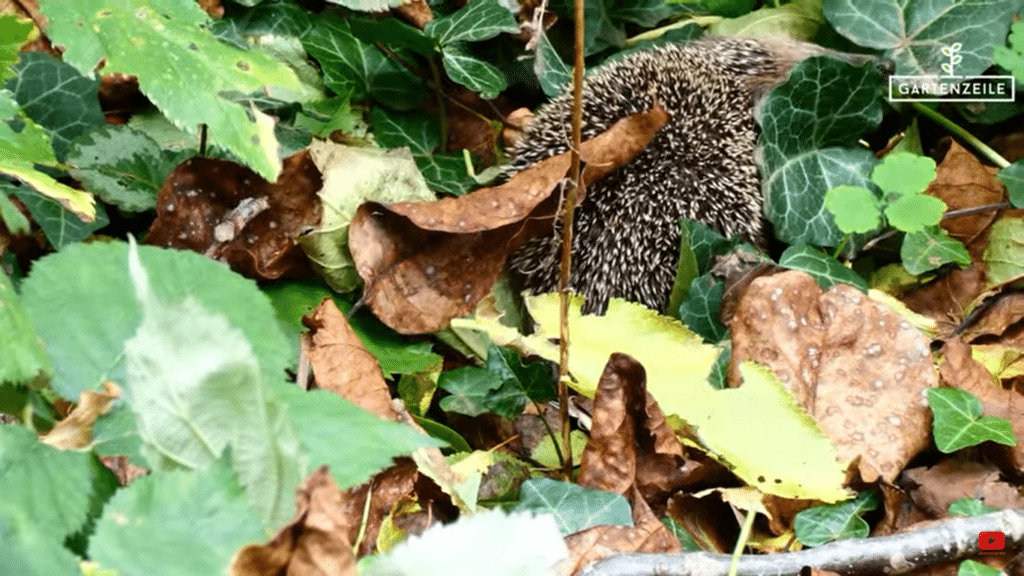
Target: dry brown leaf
<point>75,431</point>
<point>630,442</point>
<point>934,489</point>
<point>857,367</point>
<point>341,363</point>
<point>947,299</point>
<point>425,263</point>
<point>1004,321</point>
<point>315,543</point>
<point>415,12</point>
<point>960,370</point>
<point>962,181</point>
<point>228,212</point>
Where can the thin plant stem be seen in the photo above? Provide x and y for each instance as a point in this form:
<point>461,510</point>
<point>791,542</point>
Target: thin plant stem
<point>741,542</point>
<point>970,139</point>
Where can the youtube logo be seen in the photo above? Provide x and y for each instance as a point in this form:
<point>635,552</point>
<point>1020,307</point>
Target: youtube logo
<point>991,540</point>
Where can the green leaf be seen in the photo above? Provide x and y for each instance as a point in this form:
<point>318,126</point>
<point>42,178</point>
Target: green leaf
<point>23,145</point>
<point>686,542</point>
<point>115,433</point>
<point>35,477</point>
<point>477,20</point>
<point>195,388</point>
<point>855,208</point>
<point>686,271</point>
<point>123,166</point>
<point>473,73</point>
<point>702,309</point>
<point>799,20</point>
<point>914,212</point>
<point>20,347</point>
<point>61,226</point>
<point>14,33</point>
<point>179,63</point>
<point>975,568</point>
<point>913,34</point>
<point>28,551</point>
<point>421,133</point>
<point>1004,254</point>
<point>826,270</point>
<point>503,387</point>
<point>176,523</point>
<point>958,422</point>
<point>574,507</point>
<point>1012,58</point>
<point>58,98</point>
<point>904,173</point>
<point>606,21</point>
<point>931,248</point>
<point>81,302</point>
<point>823,524</point>
<point>1013,177</point>
<point>350,65</point>
<point>354,443</point>
<point>10,215</point>
<point>970,507</point>
<point>552,73</point>
<point>806,124</point>
<point>392,32</point>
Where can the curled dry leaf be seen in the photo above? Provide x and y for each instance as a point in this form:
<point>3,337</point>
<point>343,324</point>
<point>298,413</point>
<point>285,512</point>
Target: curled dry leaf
<point>341,363</point>
<point>75,431</point>
<point>425,263</point>
<point>960,370</point>
<point>228,212</point>
<point>630,442</point>
<point>857,367</point>
<point>316,542</point>
<point>933,489</point>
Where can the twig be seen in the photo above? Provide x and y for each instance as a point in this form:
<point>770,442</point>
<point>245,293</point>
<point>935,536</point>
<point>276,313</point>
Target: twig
<point>951,539</point>
<point>571,196</point>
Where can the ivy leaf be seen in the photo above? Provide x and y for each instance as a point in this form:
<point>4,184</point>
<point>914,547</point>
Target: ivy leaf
<point>392,32</point>
<point>975,568</point>
<point>913,34</point>
<point>58,98</point>
<point>1013,177</point>
<point>930,248</point>
<point>958,421</point>
<point>443,172</point>
<point>830,522</point>
<point>60,226</point>
<point>473,73</point>
<point>702,309</point>
<point>826,270</point>
<point>122,166</point>
<point>1003,252</point>
<point>970,507</point>
<point>552,73</point>
<point>806,124</point>
<point>574,507</point>
<point>178,63</point>
<point>350,65</point>
<point>478,20</point>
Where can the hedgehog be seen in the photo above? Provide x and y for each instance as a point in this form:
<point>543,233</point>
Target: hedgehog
<point>700,166</point>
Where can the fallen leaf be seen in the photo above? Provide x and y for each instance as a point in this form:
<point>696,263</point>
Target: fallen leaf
<point>315,543</point>
<point>425,263</point>
<point>341,363</point>
<point>934,489</point>
<point>230,213</point>
<point>630,442</point>
<point>858,368</point>
<point>75,431</point>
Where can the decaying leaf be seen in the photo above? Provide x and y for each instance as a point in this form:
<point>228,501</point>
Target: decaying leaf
<point>960,370</point>
<point>933,489</point>
<point>857,367</point>
<point>315,543</point>
<point>428,262</point>
<point>341,363</point>
<point>230,213</point>
<point>75,431</point>
<point>630,443</point>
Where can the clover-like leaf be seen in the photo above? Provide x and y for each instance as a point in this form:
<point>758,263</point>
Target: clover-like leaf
<point>904,173</point>
<point>855,208</point>
<point>914,212</point>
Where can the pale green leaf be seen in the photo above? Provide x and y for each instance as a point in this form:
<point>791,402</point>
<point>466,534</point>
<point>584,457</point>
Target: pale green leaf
<point>20,347</point>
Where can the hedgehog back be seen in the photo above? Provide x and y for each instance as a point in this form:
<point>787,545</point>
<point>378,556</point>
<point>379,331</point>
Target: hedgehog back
<point>699,166</point>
